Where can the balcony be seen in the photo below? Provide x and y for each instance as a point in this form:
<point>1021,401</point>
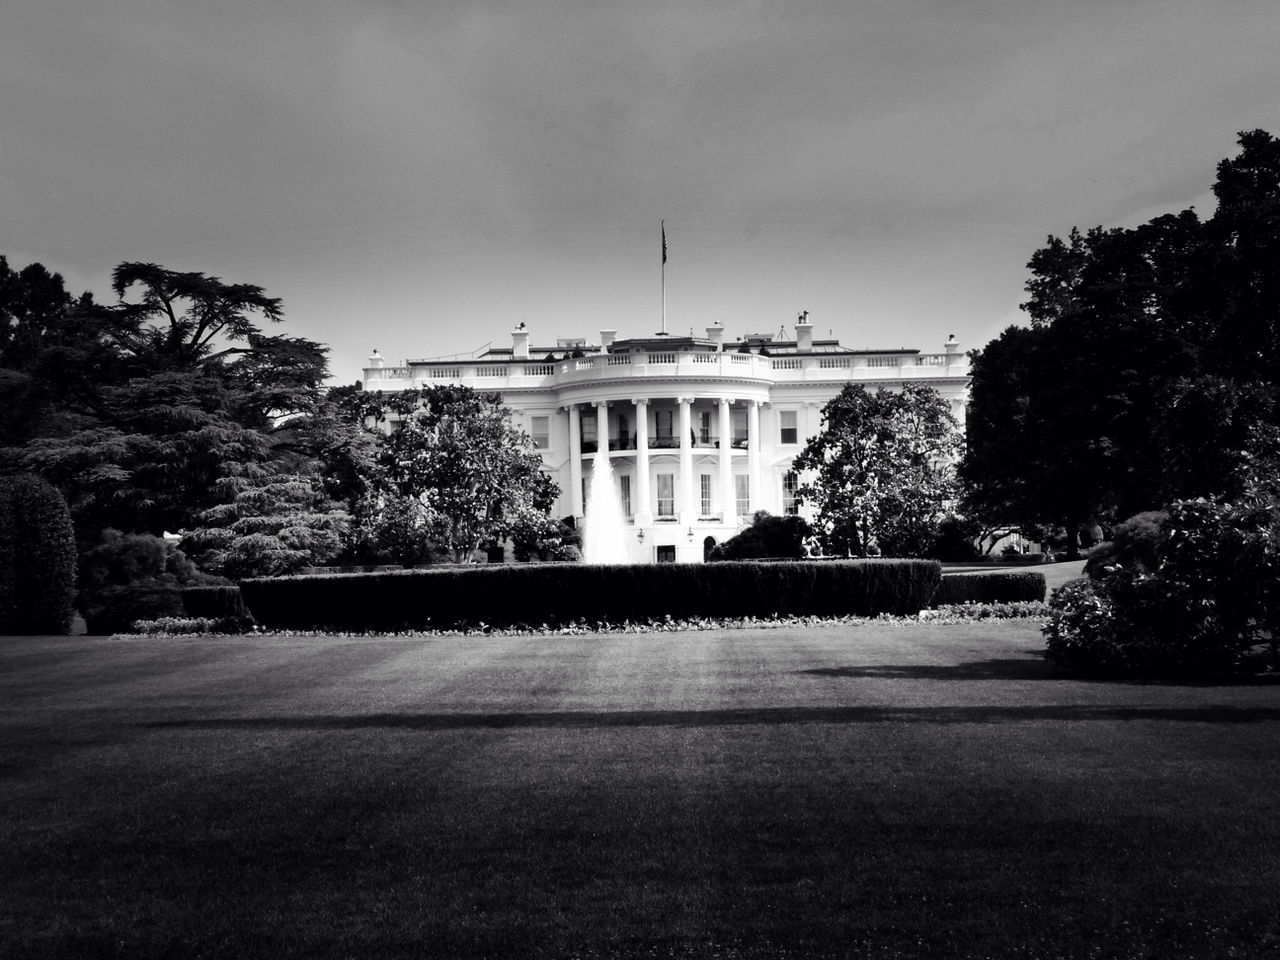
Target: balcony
<point>515,375</point>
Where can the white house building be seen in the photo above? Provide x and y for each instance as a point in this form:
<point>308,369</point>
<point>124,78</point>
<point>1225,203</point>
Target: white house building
<point>700,433</point>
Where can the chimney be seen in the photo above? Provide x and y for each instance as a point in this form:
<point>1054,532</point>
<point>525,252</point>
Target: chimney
<point>606,339</point>
<point>715,334</point>
<point>804,333</point>
<point>952,346</point>
<point>520,343</point>
<point>375,360</point>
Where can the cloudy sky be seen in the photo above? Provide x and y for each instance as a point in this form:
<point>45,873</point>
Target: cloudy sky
<point>421,176</point>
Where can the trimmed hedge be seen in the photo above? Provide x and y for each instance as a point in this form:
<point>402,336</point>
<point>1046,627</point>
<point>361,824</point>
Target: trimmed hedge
<point>998,586</point>
<point>554,593</point>
<point>37,558</point>
<point>214,603</point>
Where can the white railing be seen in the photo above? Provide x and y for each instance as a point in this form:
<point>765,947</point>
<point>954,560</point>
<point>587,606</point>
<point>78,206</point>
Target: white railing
<point>694,364</point>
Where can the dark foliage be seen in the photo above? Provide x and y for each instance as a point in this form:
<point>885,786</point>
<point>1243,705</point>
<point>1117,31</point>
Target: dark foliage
<point>768,537</point>
<point>996,586</point>
<point>568,593</point>
<point>217,602</point>
<point>132,576</point>
<point>37,558</point>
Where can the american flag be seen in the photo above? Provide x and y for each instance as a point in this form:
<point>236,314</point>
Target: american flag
<point>664,240</point>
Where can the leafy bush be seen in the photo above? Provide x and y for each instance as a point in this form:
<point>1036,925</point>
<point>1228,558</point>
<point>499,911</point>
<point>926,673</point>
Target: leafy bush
<point>1134,544</point>
<point>1214,593</point>
<point>176,626</point>
<point>996,586</point>
<point>37,558</point>
<point>767,537</point>
<point>504,595</point>
<point>133,576</point>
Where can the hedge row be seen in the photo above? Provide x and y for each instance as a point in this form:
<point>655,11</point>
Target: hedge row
<point>998,586</point>
<point>553,593</point>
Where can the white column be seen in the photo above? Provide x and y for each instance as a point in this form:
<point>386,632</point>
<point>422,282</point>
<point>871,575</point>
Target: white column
<point>602,429</point>
<point>643,507</point>
<point>727,506</point>
<point>687,512</point>
<point>575,461</point>
<point>753,454</point>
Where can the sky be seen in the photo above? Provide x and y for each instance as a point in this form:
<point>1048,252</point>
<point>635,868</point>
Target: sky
<point>420,177</point>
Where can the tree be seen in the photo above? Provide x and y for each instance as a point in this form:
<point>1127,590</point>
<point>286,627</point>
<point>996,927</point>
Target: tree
<point>880,473</point>
<point>474,477</point>
<point>273,523</point>
<point>184,389</point>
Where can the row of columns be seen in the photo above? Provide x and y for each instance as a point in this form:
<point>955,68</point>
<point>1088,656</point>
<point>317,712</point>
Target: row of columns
<point>644,514</point>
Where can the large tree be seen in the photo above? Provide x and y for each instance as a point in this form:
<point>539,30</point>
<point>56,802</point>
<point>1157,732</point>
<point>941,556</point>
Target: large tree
<point>459,472</point>
<point>880,473</point>
<point>1148,366</point>
<point>180,388</point>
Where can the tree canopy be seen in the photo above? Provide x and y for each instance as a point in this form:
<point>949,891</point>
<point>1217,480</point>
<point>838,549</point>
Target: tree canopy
<point>1148,371</point>
<point>456,473</point>
<point>880,473</point>
<point>147,403</point>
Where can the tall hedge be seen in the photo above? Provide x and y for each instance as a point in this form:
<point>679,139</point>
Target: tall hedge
<point>565,593</point>
<point>37,558</point>
<point>994,586</point>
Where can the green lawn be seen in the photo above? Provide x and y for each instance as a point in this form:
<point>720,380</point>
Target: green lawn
<point>872,791</point>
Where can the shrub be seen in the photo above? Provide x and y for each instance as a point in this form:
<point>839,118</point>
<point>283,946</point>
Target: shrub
<point>996,586</point>
<point>954,540</point>
<point>133,576</point>
<point>37,558</point>
<point>510,595</point>
<point>1214,592</point>
<point>222,603</point>
<point>768,536</point>
<point>1134,543</point>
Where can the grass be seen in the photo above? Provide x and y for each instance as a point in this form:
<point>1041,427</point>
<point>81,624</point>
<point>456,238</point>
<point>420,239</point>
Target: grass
<point>870,791</point>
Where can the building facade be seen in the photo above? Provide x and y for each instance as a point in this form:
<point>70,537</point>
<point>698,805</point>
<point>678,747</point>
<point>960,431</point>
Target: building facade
<point>700,434</point>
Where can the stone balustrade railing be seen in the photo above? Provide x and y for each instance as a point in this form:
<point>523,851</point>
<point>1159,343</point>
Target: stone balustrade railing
<point>818,367</point>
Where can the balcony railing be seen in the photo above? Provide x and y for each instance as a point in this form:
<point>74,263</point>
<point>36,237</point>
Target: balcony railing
<point>694,364</point>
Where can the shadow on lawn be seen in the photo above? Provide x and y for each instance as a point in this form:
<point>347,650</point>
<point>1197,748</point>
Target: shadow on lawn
<point>765,716</point>
<point>1031,666</point>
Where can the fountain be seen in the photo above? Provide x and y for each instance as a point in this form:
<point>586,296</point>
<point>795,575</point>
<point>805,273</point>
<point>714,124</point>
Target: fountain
<point>605,540</point>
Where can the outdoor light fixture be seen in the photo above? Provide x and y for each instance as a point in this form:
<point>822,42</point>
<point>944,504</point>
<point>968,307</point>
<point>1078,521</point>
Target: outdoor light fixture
<point>640,535</point>
<point>691,533</point>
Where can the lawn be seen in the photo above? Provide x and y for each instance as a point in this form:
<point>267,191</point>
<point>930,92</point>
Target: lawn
<point>870,791</point>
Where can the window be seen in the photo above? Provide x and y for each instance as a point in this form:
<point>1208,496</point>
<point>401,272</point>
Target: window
<point>704,426</point>
<point>665,554</point>
<point>787,421</point>
<point>742,494</point>
<point>662,423</point>
<point>624,494</point>
<point>666,494</point>
<point>738,426</point>
<point>541,430</point>
<point>588,433</point>
<point>624,441</point>
<point>704,487</point>
<point>790,484</point>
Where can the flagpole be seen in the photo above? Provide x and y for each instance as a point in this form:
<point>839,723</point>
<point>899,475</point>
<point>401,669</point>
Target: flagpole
<point>663,225</point>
